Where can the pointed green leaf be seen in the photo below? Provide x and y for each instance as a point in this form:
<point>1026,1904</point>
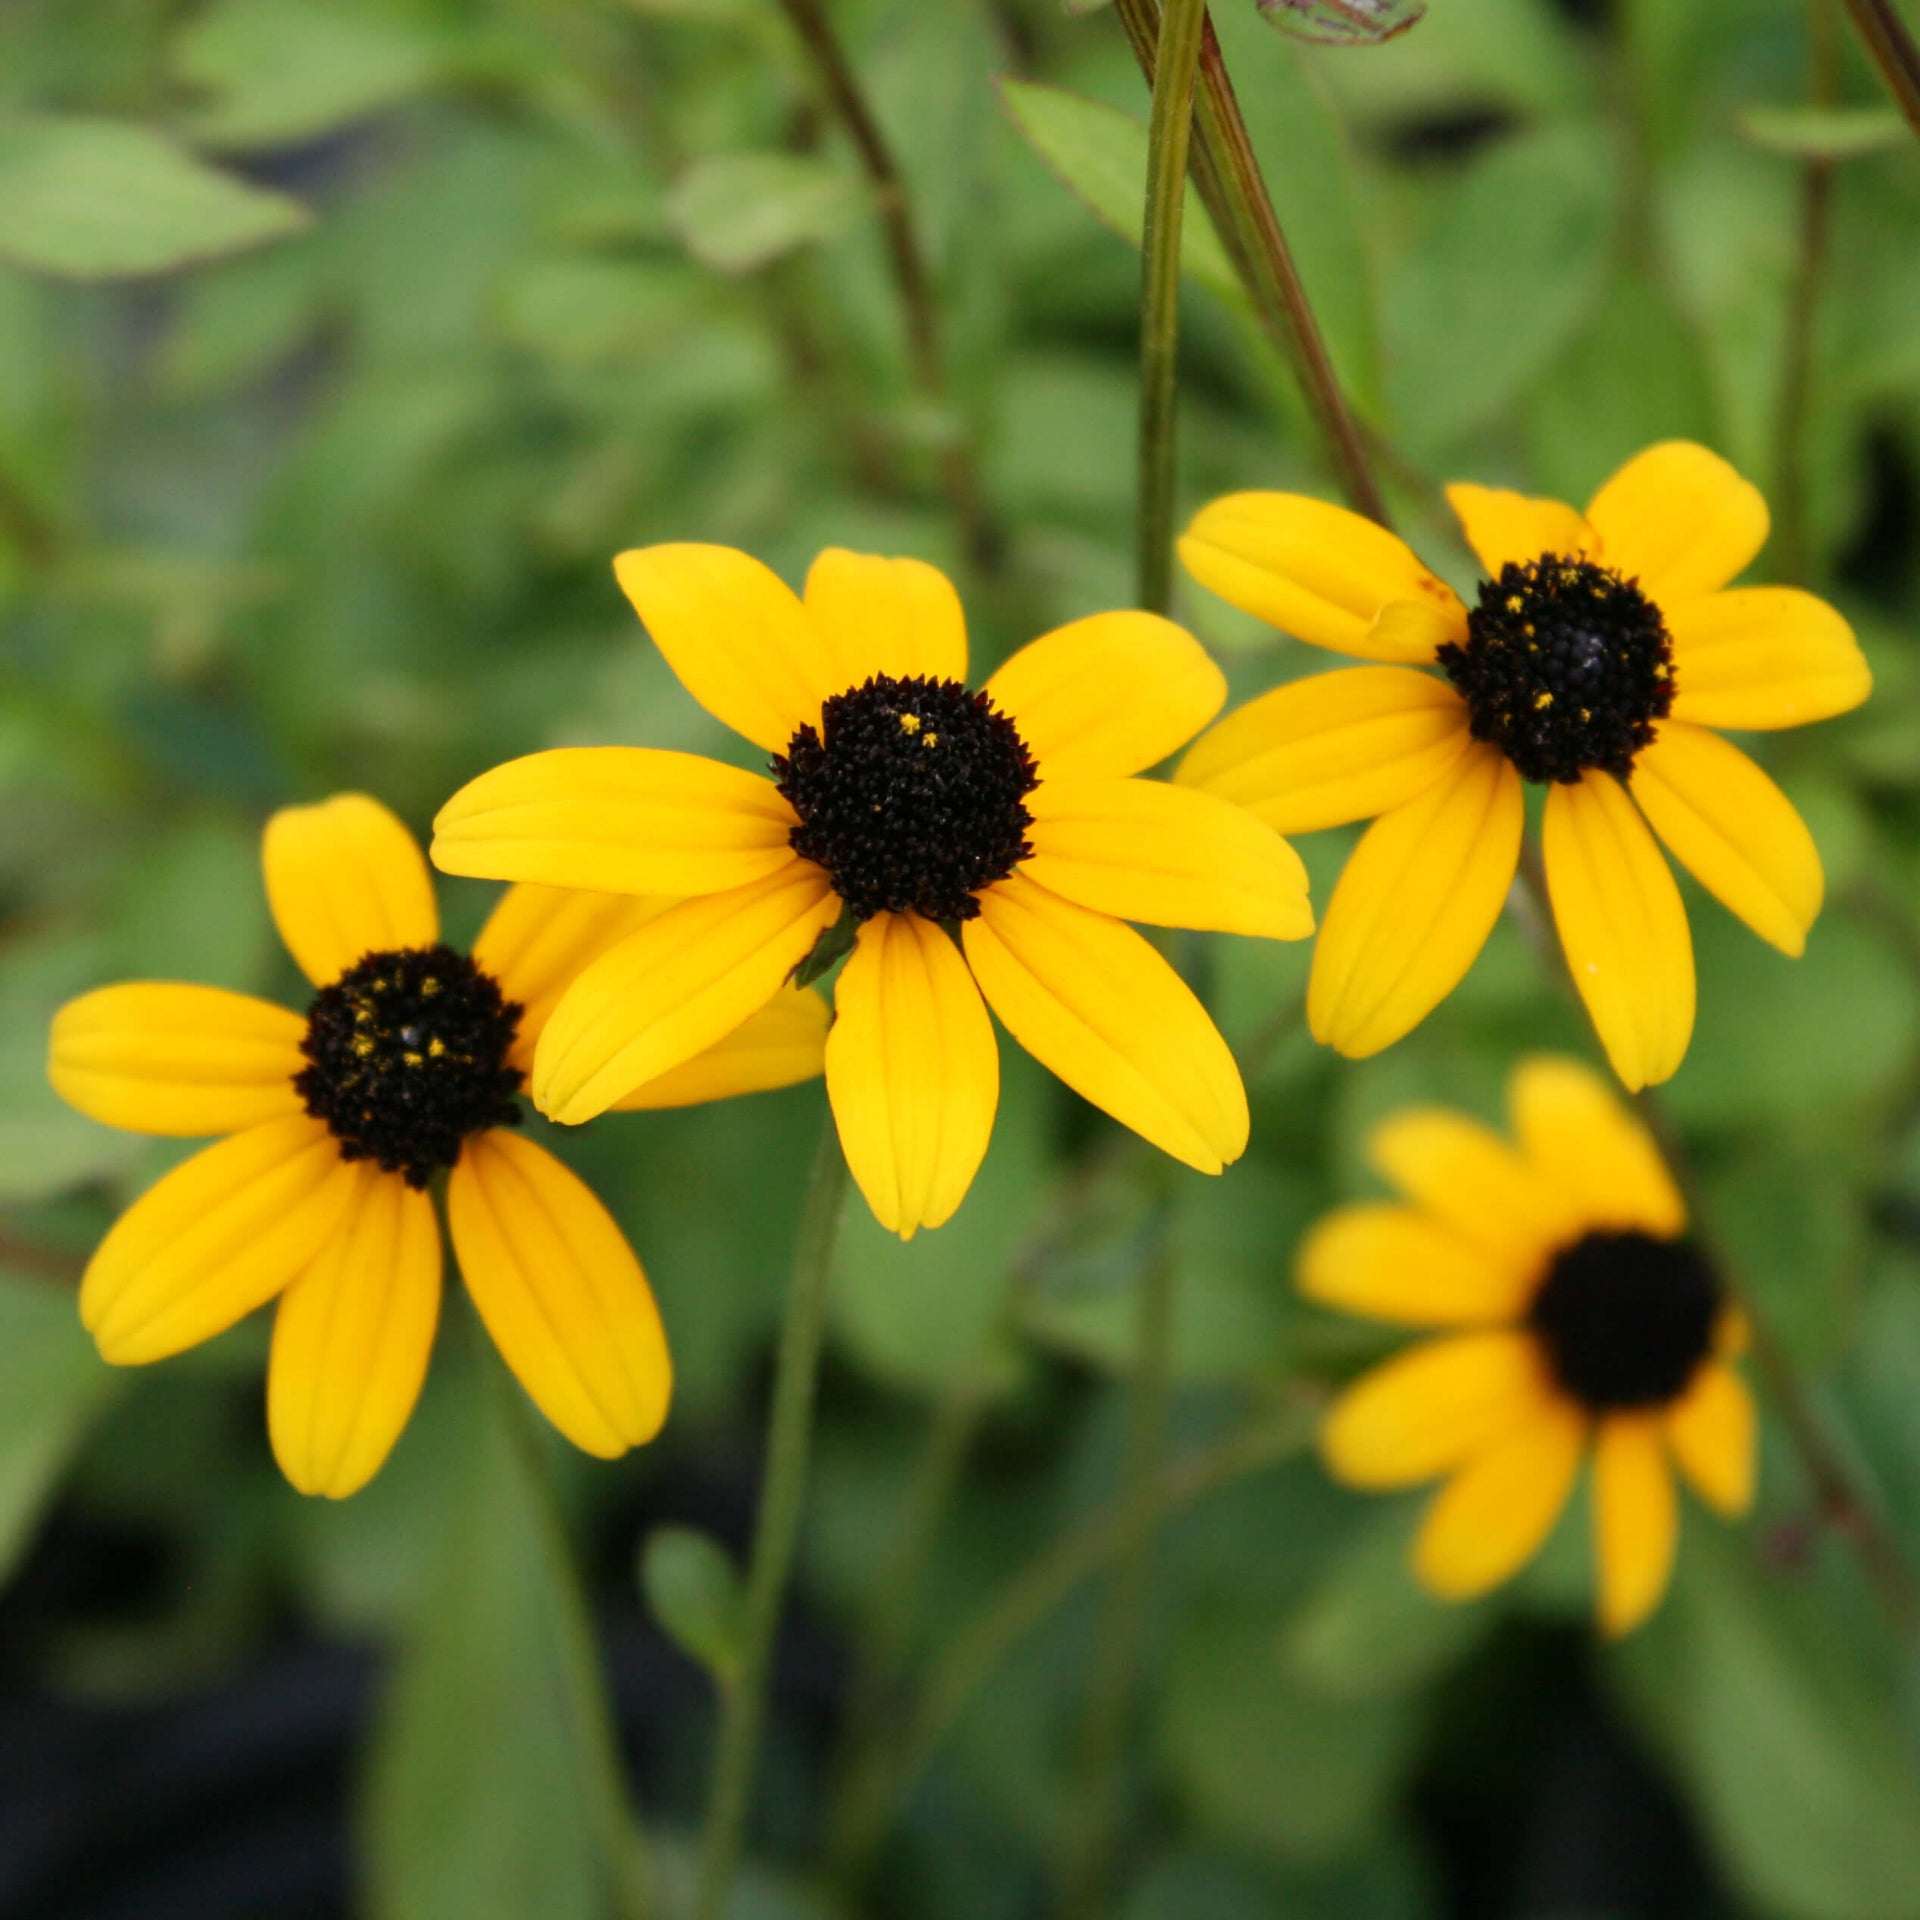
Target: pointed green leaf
<point>694,1590</point>
<point>92,199</point>
<point>738,212</point>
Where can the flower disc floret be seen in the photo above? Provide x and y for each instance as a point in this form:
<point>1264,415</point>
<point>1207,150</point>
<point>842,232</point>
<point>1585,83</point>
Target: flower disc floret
<point>407,1056</point>
<point>911,794</point>
<point>1566,667</point>
<point>1627,1319</point>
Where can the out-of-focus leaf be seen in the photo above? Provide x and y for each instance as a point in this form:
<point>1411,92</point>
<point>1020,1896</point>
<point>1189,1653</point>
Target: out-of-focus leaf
<point>694,1590</point>
<point>738,212</point>
<point>493,1787</point>
<point>1782,1728</point>
<point>1385,1883</point>
<point>1101,154</point>
<point>1823,133</point>
<point>1368,1627</point>
<point>92,199</point>
<point>273,73</point>
<point>1512,256</point>
<point>1268,1762</point>
<point>1343,23</point>
<point>52,1383</point>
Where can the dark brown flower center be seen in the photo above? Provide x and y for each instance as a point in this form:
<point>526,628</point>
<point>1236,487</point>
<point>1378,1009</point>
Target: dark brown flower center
<point>1626,1319</point>
<point>407,1055</point>
<point>1566,667</point>
<point>911,793</point>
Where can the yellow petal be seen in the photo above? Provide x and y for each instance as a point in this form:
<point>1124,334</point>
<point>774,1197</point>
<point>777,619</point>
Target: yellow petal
<point>674,987</point>
<point>781,1045</point>
<point>1465,1175</point>
<point>738,637</point>
<point>1112,694</point>
<point>1636,1519</point>
<point>154,1057</point>
<point>560,1292</point>
<point>1678,519</point>
<point>1762,658</point>
<point>890,616</point>
<point>351,1342</point>
<point>1415,905</point>
<point>1713,1433</point>
<point>1168,856</point>
<point>1582,1141</point>
<point>346,879</point>
<point>1503,527</point>
<point>1426,1410</point>
<point>1399,1264</point>
<point>1622,925</point>
<point>538,940</point>
<point>616,820</point>
<point>217,1237</point>
<point>1332,748</point>
<point>1095,1004</point>
<point>1733,830</point>
<point>1495,1514</point>
<point>1322,574</point>
<point>913,1071</point>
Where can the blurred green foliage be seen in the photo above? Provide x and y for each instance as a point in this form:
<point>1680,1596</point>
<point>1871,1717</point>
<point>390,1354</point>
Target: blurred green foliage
<point>343,342</point>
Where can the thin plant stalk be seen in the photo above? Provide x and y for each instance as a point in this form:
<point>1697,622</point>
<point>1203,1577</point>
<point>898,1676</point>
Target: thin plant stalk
<point>1168,132</point>
<point>1796,379</point>
<point>1890,42</point>
<point>1227,173</point>
<point>777,1529</point>
<point>1842,1505</point>
<point>926,354</point>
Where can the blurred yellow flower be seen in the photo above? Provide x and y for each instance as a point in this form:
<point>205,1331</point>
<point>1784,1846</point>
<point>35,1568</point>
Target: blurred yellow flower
<point>409,1061</point>
<point>1576,1315</point>
<point>982,843</point>
<point>1603,649</point>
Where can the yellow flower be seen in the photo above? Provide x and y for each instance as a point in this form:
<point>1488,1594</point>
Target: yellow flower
<point>1575,1312</point>
<point>916,809</point>
<point>409,1060</point>
<point>1602,650</point>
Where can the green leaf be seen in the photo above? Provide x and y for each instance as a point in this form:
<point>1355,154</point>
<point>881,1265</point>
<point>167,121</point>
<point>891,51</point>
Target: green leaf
<point>1824,133</point>
<point>694,1590</point>
<point>91,199</point>
<point>1512,255</point>
<point>1270,1763</point>
<point>279,72</point>
<point>1101,154</point>
<point>1343,23</point>
<point>52,1384</point>
<point>494,1787</point>
<point>738,212</point>
<point>1781,1725</point>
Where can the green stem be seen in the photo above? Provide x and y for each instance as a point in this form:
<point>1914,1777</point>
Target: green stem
<point>1227,172</point>
<point>1796,379</point>
<point>1176,60</point>
<point>622,1852</point>
<point>1890,42</point>
<point>925,353</point>
<point>782,1495</point>
<point>1841,1503</point>
<point>1095,1807</point>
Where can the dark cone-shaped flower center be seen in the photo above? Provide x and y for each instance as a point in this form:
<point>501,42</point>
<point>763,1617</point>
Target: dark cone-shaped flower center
<point>1566,666</point>
<point>911,795</point>
<point>1626,1319</point>
<point>409,1056</point>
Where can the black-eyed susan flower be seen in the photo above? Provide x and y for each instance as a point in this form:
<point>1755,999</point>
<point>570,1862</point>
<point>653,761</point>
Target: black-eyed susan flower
<point>978,843</point>
<point>1602,650</point>
<point>1576,1318</point>
<point>408,1063</point>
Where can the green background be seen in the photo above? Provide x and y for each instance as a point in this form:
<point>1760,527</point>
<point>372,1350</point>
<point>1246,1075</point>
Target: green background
<point>342,344</point>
